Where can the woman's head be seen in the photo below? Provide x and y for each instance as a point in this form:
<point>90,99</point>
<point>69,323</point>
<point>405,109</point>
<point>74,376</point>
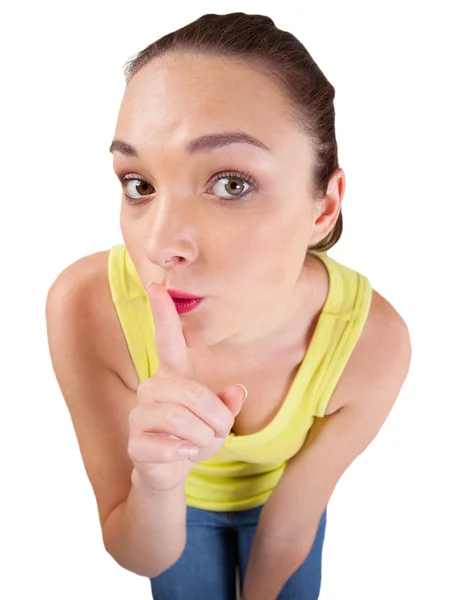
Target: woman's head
<point>228,221</point>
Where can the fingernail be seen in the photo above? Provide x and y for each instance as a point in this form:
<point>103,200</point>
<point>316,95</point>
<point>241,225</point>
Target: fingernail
<point>187,451</point>
<point>245,390</point>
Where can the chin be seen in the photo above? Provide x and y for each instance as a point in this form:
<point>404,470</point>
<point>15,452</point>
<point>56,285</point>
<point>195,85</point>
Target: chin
<point>196,335</point>
<point>201,335</point>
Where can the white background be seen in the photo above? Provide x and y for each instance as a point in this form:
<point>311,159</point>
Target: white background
<point>389,524</point>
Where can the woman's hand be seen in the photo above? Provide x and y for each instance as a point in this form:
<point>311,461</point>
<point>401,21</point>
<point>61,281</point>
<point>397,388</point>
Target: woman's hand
<point>174,410</point>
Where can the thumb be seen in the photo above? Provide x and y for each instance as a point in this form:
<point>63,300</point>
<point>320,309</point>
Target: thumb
<point>234,397</point>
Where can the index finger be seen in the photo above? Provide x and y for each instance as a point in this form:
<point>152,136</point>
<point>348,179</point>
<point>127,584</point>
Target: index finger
<point>170,343</point>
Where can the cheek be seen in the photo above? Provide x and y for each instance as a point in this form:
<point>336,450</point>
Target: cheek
<point>132,229</point>
<point>125,224</point>
<point>281,260</point>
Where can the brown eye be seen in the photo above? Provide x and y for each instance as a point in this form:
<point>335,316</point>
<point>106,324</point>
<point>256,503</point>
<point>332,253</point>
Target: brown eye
<point>137,186</point>
<point>229,186</point>
<point>232,184</point>
<point>236,185</point>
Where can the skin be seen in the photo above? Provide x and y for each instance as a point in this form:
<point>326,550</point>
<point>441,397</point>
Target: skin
<point>248,258</point>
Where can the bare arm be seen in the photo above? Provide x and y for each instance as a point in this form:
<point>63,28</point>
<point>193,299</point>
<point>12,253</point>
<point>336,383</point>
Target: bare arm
<point>146,534</point>
<point>143,531</point>
<point>381,363</point>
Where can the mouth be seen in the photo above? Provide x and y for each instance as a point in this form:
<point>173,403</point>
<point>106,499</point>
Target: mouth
<point>182,296</point>
<point>184,306</point>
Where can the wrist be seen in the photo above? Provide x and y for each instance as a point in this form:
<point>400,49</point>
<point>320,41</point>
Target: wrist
<point>140,482</point>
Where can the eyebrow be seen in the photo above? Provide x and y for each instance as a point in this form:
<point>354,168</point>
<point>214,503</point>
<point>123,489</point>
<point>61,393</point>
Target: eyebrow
<point>203,143</point>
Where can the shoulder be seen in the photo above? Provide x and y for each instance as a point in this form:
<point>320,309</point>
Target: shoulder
<point>77,278</point>
<point>381,359</point>
<point>79,305</point>
<point>77,287</point>
<point>386,332</point>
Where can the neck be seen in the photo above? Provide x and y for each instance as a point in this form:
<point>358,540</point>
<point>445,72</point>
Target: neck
<point>278,333</point>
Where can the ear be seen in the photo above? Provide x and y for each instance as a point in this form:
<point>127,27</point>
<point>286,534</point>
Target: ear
<point>328,208</point>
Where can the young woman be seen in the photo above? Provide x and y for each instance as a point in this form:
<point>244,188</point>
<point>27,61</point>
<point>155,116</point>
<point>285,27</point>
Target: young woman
<point>232,192</point>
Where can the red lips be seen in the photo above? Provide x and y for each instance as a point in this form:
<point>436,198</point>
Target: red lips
<point>178,294</point>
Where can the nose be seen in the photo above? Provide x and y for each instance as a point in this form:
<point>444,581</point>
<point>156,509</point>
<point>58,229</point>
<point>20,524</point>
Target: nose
<point>171,230</point>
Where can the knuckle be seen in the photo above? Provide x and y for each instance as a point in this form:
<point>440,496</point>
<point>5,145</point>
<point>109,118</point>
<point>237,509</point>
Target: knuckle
<point>203,435</point>
<point>136,418</point>
<point>207,438</point>
<point>193,392</point>
<point>133,448</point>
<point>132,418</point>
<point>175,414</point>
<point>144,385</point>
<point>143,390</point>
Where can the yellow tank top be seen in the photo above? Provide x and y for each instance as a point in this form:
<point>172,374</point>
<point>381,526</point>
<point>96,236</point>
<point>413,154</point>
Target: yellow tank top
<point>246,469</point>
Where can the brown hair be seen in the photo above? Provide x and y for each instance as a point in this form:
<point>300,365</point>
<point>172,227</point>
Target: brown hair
<point>255,40</point>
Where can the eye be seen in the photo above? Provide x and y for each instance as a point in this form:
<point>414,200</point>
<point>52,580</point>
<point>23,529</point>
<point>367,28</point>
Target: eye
<point>133,184</point>
<point>236,184</point>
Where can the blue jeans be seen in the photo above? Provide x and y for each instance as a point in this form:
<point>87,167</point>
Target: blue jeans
<point>217,544</point>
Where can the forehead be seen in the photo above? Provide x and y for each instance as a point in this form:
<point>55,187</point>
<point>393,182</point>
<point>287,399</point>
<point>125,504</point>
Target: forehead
<point>184,96</point>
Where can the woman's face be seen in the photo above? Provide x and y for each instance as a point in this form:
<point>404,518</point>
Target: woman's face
<point>227,221</point>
